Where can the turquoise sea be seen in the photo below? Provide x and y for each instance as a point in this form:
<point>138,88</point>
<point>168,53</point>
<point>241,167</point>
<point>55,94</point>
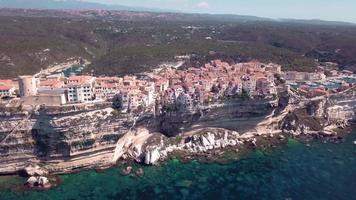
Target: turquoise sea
<point>74,70</point>
<point>297,171</point>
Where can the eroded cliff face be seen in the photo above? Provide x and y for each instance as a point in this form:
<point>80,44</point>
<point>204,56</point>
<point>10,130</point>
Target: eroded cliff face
<point>291,117</point>
<point>321,116</point>
<point>67,139</point>
<point>70,139</point>
<point>62,141</point>
<point>234,115</point>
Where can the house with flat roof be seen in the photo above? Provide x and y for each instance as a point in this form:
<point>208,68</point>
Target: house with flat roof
<point>80,89</point>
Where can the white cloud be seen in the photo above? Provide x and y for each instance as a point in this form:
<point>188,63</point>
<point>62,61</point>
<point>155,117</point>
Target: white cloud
<point>203,5</point>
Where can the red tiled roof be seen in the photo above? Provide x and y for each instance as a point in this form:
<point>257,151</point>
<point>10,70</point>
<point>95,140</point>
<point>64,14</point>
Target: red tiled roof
<point>6,82</point>
<point>5,87</point>
<point>53,83</point>
<point>79,80</point>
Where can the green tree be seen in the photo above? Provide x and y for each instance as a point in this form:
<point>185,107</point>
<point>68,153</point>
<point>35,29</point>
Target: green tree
<point>117,102</point>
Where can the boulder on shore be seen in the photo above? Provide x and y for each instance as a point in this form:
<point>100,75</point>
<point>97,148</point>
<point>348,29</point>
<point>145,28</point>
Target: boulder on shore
<point>31,181</point>
<point>127,170</point>
<point>152,157</point>
<point>139,172</point>
<point>34,170</point>
<point>43,181</point>
<point>39,181</point>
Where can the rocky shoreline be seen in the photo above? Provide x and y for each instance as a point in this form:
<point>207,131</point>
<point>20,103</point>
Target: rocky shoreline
<point>224,151</point>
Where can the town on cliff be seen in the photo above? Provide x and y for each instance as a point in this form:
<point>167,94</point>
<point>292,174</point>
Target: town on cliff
<point>159,90</point>
<point>70,123</point>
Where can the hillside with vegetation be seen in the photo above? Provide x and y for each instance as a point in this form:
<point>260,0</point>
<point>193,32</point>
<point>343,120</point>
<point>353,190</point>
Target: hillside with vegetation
<point>119,43</point>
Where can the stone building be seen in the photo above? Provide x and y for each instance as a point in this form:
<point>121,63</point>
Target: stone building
<point>27,86</point>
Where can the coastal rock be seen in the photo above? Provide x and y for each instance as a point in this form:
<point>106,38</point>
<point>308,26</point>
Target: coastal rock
<point>35,170</point>
<point>44,182</point>
<point>327,133</point>
<point>211,138</point>
<point>205,142</point>
<point>281,137</point>
<point>32,181</point>
<point>152,157</point>
<point>139,172</point>
<point>253,141</point>
<point>235,133</point>
<point>126,171</point>
<point>39,181</point>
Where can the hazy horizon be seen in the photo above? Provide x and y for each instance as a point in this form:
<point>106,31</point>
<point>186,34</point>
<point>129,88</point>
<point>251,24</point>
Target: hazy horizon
<point>278,9</point>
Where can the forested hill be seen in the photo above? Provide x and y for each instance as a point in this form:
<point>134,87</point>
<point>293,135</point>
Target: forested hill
<point>120,42</point>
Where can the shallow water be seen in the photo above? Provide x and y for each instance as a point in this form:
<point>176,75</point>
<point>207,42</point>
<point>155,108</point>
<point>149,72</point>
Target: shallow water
<point>294,171</point>
<point>74,70</point>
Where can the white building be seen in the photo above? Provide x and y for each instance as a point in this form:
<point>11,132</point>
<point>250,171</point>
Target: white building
<point>150,92</point>
<point>130,99</point>
<point>6,91</point>
<point>80,89</point>
<point>106,88</point>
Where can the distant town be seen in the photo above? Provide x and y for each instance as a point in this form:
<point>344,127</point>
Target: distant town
<point>169,86</point>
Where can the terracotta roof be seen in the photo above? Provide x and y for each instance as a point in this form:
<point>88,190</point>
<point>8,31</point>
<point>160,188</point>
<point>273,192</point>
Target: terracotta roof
<point>79,80</point>
<point>106,85</point>
<point>53,83</point>
<point>6,82</point>
<point>5,87</point>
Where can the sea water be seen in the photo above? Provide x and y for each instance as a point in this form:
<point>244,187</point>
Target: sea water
<point>318,170</point>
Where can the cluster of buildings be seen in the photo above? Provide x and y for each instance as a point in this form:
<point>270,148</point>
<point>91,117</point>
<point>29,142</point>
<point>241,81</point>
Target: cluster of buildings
<point>189,87</point>
<point>214,81</point>
<point>169,87</point>
<point>59,90</point>
<point>172,88</point>
<point>303,76</point>
<point>317,84</point>
<point>310,90</point>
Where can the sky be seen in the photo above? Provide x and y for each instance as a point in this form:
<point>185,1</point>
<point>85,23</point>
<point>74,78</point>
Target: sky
<point>333,10</point>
